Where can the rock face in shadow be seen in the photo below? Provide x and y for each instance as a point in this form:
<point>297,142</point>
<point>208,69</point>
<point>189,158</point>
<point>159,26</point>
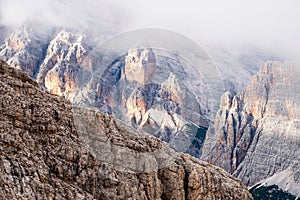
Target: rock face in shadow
<point>229,139</point>
<point>49,150</point>
<point>256,133</point>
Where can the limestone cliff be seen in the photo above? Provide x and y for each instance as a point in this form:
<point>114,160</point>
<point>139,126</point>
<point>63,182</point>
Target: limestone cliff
<point>256,133</point>
<point>185,95</point>
<point>66,64</point>
<point>60,69</point>
<point>24,48</point>
<point>228,139</point>
<point>49,150</point>
<point>151,90</point>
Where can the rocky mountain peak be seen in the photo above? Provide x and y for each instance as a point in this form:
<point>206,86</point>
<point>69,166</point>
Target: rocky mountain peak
<point>140,65</point>
<point>262,131</point>
<point>66,52</point>
<point>81,65</point>
<point>230,101</point>
<point>24,48</point>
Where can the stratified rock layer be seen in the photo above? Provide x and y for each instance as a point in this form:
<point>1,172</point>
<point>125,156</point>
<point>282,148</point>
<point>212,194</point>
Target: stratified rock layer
<point>50,151</point>
<point>256,133</point>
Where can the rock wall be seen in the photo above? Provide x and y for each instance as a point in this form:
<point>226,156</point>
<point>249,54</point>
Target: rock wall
<point>229,138</point>
<point>256,133</point>
<point>25,47</point>
<point>66,62</point>
<point>49,150</point>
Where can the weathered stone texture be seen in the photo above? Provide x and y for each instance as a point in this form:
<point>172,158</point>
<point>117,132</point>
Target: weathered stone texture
<point>256,133</point>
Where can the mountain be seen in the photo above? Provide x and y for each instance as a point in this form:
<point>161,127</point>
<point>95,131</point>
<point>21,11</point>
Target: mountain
<point>244,62</point>
<point>51,150</point>
<point>159,84</point>
<point>25,47</point>
<point>255,133</point>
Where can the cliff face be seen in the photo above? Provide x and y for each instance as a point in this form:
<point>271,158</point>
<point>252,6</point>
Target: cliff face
<point>60,68</point>
<point>256,133</point>
<point>229,138</point>
<point>24,48</point>
<point>65,61</point>
<point>49,150</point>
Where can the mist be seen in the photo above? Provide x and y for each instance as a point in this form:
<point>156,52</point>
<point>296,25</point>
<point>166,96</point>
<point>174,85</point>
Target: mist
<point>270,25</point>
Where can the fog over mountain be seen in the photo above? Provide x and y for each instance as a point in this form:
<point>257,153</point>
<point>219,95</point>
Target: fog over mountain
<point>272,26</point>
<point>218,80</point>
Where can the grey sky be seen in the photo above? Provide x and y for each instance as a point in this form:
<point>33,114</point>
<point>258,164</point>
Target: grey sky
<point>270,24</point>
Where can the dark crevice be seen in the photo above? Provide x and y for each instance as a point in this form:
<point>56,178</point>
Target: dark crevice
<point>267,88</point>
<point>257,139</point>
<point>186,183</point>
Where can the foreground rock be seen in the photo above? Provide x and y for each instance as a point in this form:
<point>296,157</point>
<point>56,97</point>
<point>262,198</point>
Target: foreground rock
<point>49,152</point>
<point>256,133</point>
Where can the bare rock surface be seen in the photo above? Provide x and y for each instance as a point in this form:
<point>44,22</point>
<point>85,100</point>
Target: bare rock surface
<point>49,150</point>
<point>24,48</point>
<point>64,60</point>
<point>256,133</point>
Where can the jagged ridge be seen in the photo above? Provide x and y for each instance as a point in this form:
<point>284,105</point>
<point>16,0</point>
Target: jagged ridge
<point>256,133</point>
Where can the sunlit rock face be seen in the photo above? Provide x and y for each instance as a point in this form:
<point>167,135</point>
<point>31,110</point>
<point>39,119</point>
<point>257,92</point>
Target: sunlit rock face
<point>139,65</point>
<point>149,89</point>
<point>256,133</point>
<point>60,68</point>
<point>25,47</point>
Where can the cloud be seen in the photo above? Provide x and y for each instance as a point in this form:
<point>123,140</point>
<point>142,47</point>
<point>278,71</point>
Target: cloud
<point>269,24</point>
<point>56,12</point>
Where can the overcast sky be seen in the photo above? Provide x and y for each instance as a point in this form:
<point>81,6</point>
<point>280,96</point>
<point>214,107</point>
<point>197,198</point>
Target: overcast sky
<point>270,24</point>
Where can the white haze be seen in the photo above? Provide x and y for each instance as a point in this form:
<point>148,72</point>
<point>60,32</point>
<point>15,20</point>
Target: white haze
<point>272,25</point>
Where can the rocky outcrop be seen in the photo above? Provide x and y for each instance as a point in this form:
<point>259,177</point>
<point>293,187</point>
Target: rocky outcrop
<point>256,133</point>
<point>25,47</point>
<point>61,67</point>
<point>139,65</point>
<point>229,138</point>
<point>49,150</point>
